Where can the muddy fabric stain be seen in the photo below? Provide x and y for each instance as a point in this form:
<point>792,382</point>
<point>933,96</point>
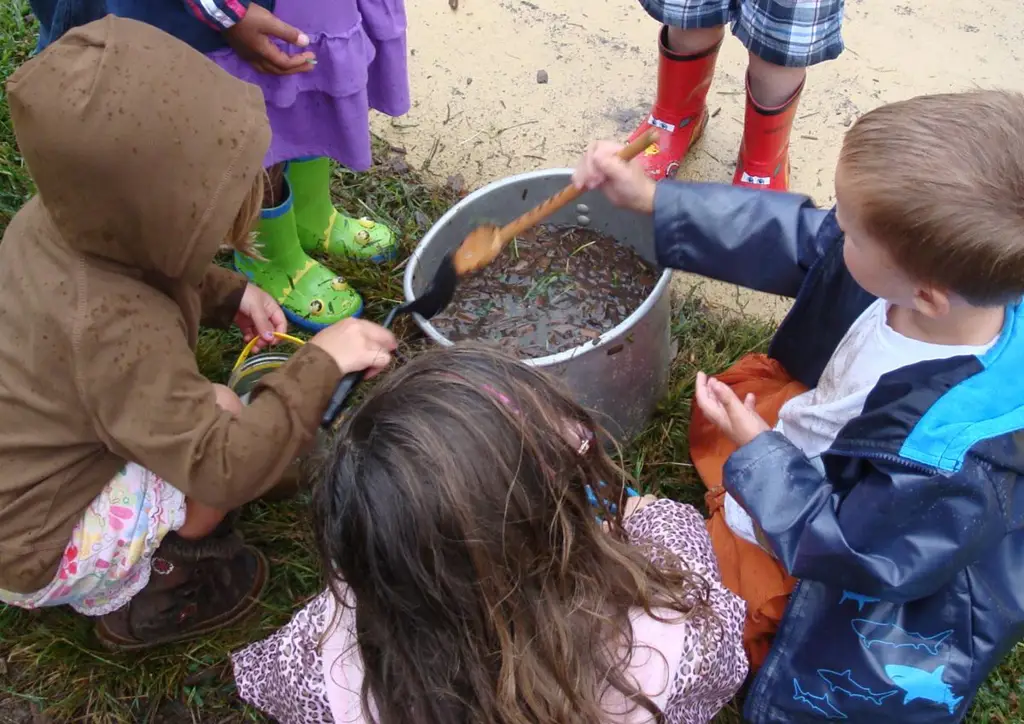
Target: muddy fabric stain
<point>553,289</point>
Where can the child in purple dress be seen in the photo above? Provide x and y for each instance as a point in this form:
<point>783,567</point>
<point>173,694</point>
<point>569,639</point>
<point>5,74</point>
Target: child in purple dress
<point>353,58</point>
<point>322,65</point>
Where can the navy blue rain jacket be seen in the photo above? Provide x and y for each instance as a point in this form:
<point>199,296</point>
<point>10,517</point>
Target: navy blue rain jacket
<point>908,549</point>
<point>174,17</point>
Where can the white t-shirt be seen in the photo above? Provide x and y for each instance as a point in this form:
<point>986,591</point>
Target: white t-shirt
<point>870,349</point>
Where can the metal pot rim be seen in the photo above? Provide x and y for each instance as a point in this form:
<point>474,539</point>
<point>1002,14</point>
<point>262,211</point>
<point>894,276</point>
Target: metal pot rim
<point>606,338</point>
<point>257,363</point>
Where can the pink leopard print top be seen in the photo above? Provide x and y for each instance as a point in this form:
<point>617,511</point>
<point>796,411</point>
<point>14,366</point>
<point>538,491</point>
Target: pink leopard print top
<point>690,669</point>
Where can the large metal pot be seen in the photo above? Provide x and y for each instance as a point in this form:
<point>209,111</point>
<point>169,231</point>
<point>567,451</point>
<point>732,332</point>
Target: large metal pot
<point>621,375</point>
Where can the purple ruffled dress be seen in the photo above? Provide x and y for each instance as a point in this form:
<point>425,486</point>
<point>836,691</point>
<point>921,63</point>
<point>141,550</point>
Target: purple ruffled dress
<point>360,48</point>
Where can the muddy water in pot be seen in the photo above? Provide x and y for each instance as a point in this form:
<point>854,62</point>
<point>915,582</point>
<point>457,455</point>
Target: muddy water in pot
<point>621,375</point>
<point>553,289</point>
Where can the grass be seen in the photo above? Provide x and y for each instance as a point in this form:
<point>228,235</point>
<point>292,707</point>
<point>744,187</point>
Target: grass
<point>49,661</point>
<point>16,42</point>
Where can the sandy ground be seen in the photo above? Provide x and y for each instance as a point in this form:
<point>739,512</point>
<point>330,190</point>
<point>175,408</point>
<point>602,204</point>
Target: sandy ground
<point>479,111</point>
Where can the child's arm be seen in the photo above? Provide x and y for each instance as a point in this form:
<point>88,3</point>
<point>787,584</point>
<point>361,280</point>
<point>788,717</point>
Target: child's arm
<point>895,534</point>
<point>221,295</point>
<point>219,14</point>
<point>764,240</point>
<point>228,299</point>
<point>149,404</point>
<point>250,29</point>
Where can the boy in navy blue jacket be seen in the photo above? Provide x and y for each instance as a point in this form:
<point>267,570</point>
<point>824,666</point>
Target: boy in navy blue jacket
<point>881,496</point>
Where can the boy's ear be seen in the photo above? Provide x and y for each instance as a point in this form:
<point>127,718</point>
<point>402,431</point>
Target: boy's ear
<point>932,302</point>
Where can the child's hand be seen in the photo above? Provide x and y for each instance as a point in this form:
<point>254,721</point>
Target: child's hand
<point>259,316</point>
<point>251,39</point>
<point>625,184</point>
<point>356,344</point>
<point>732,416</point>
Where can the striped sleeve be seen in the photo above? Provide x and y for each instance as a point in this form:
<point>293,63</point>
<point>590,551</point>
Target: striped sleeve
<point>218,14</point>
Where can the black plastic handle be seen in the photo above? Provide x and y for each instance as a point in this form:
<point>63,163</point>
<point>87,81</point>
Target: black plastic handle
<point>350,381</point>
<point>340,397</point>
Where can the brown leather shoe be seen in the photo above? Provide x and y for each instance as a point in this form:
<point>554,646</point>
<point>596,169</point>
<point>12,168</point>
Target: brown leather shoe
<point>196,587</point>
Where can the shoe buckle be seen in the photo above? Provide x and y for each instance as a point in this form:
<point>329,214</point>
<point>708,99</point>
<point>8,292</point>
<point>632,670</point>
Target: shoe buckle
<point>162,566</point>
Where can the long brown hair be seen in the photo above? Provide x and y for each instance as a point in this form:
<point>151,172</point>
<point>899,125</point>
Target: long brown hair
<point>242,236</point>
<point>454,510</point>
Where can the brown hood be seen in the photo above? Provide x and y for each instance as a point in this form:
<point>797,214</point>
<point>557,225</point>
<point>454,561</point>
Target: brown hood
<point>141,148</point>
<point>143,151</point>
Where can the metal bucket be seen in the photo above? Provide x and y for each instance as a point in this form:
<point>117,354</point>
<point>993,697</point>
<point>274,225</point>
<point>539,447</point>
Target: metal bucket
<point>622,374</point>
<point>244,379</point>
<point>250,370</point>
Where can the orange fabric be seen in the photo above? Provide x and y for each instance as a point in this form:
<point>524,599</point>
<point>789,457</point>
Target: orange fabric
<point>747,570</point>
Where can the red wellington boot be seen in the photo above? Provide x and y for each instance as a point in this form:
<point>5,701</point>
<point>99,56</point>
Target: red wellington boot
<point>680,109</point>
<point>764,152</point>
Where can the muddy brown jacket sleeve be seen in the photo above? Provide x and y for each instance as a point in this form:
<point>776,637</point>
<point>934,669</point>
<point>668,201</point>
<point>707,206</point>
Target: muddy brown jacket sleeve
<point>149,404</point>
<point>221,294</point>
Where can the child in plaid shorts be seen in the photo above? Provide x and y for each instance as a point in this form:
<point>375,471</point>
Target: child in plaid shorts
<point>783,38</point>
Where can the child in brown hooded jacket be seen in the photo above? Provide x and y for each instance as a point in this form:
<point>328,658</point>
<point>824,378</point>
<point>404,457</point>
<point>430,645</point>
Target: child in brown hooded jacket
<point>118,460</point>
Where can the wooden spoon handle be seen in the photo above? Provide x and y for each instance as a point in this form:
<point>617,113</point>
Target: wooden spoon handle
<point>570,193</point>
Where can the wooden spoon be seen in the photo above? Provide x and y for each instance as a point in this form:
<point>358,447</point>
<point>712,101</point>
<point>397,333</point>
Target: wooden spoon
<point>484,243</point>
<point>477,250</point>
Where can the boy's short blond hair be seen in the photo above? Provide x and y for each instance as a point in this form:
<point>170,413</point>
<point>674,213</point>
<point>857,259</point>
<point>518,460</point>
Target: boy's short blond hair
<point>939,180</point>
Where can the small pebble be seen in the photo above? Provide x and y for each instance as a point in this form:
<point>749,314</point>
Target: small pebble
<point>542,76</point>
<point>398,165</point>
<point>456,183</point>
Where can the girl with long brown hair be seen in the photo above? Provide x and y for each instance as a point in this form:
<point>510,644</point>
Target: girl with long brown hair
<point>475,576</point>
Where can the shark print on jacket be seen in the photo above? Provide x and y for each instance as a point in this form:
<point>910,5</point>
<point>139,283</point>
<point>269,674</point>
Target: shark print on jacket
<point>921,684</point>
<point>874,633</point>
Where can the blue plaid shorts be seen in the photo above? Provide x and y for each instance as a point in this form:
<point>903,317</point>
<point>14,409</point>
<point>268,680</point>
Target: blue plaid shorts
<point>793,33</point>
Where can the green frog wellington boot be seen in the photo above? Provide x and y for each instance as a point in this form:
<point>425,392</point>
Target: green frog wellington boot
<point>325,229</point>
<point>312,296</point>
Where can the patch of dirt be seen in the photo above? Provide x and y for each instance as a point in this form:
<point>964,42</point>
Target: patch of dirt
<point>18,711</point>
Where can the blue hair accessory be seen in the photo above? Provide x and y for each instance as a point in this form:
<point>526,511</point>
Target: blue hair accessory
<point>612,507</point>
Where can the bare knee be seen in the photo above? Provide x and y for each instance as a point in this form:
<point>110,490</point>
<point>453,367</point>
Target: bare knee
<point>772,85</point>
<point>227,400</point>
<point>694,41</point>
<point>200,520</point>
